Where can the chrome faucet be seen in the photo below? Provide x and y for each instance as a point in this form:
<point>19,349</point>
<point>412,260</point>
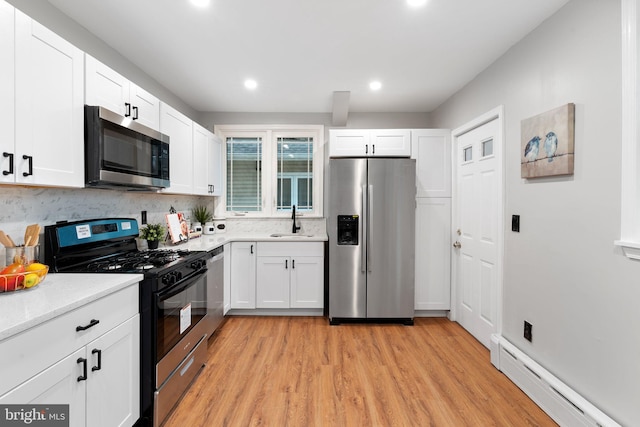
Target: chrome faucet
<point>294,228</point>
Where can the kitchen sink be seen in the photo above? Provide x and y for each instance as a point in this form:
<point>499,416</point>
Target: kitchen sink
<point>292,235</point>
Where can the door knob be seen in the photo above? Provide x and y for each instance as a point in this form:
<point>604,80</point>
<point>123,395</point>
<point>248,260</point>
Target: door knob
<point>457,245</point>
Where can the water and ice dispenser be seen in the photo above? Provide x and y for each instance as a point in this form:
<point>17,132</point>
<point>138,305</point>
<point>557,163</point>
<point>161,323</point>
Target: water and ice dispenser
<point>348,226</point>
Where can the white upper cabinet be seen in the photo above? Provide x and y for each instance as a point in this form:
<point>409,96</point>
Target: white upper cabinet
<point>207,166</point>
<point>215,165</point>
<point>432,150</point>
<point>107,88</point>
<point>179,128</point>
<point>7,89</point>
<point>48,148</point>
<point>369,143</point>
<point>201,138</point>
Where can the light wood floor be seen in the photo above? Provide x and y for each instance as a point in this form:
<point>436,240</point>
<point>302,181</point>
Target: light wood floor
<point>293,371</point>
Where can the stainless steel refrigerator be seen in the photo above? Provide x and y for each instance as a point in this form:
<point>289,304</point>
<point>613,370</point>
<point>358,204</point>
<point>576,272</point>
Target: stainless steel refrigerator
<point>371,229</point>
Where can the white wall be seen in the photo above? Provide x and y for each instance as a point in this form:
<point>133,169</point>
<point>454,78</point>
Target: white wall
<point>562,272</point>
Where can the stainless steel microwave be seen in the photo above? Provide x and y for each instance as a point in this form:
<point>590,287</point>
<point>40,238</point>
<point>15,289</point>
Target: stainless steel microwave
<point>121,153</point>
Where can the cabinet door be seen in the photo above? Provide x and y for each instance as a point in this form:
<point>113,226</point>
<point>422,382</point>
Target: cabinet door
<point>307,282</point>
<point>243,275</point>
<point>145,107</point>
<point>201,138</point>
<point>105,87</point>
<point>215,165</point>
<point>433,254</point>
<point>348,142</point>
<point>49,107</point>
<point>57,384</point>
<point>432,150</point>
<point>179,129</point>
<point>7,89</point>
<point>390,143</point>
<point>272,284</point>
<point>113,386</point>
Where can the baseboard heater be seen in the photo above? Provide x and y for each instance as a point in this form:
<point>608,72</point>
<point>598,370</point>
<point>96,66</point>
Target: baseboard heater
<point>558,400</point>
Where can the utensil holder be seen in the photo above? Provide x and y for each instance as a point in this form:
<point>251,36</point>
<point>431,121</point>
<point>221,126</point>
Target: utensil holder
<point>22,254</point>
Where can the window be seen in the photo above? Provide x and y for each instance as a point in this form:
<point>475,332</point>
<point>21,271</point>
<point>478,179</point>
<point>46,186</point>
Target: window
<point>270,169</point>
<point>467,154</point>
<point>244,170</point>
<point>295,173</point>
<point>487,148</point>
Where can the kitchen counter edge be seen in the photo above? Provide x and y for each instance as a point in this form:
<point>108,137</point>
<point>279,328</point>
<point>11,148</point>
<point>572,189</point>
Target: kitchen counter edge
<point>208,242</point>
<point>58,294</point>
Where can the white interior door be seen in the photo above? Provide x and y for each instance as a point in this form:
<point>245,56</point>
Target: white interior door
<point>477,226</point>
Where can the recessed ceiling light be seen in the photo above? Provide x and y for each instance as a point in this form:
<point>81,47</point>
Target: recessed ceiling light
<point>375,85</point>
<point>201,3</point>
<point>250,84</point>
<point>416,3</point>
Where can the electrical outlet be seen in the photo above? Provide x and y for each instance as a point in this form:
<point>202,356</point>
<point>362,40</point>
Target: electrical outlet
<point>528,334</point>
<point>143,214</point>
<point>515,223</point>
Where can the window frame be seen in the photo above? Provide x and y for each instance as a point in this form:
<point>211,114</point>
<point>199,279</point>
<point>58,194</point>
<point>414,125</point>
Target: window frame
<point>269,177</point>
<point>630,167</point>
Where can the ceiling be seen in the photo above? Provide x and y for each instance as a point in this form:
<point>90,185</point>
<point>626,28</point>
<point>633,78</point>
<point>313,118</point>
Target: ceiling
<point>301,51</point>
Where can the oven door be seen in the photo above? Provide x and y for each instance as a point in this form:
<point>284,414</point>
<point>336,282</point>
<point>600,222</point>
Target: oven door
<point>178,310</point>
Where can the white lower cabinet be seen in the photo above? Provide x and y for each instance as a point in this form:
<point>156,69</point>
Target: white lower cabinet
<point>290,275</point>
<point>433,254</point>
<point>307,282</point>
<point>277,275</point>
<point>243,275</point>
<point>96,371</point>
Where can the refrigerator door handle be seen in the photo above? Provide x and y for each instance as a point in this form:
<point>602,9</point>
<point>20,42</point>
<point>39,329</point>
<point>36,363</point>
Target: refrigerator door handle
<point>363,232</point>
<point>369,221</point>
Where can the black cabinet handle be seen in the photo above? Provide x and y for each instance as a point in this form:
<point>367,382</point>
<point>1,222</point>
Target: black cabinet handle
<point>286,263</point>
<point>99,352</point>
<point>30,159</point>
<point>91,324</point>
<point>83,377</point>
<point>10,156</point>
<point>293,263</point>
<point>135,113</point>
<point>366,149</point>
<point>374,149</point>
<point>127,111</point>
<point>252,249</point>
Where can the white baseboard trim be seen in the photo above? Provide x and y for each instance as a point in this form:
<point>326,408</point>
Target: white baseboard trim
<point>558,400</point>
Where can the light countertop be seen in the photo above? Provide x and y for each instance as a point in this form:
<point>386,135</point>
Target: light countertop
<point>56,295</point>
<point>207,242</point>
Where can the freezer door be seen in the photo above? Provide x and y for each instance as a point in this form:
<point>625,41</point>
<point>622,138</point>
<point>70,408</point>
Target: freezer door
<point>347,260</point>
<point>391,193</point>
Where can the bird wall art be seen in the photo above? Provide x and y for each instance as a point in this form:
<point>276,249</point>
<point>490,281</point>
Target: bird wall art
<point>547,143</point>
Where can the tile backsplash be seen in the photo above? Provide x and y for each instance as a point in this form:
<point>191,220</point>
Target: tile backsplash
<point>21,206</point>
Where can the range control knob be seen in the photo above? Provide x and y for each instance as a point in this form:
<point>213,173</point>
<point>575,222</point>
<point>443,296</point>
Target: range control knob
<point>198,264</point>
<point>169,279</point>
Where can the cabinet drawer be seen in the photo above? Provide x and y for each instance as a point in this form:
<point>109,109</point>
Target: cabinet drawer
<point>30,352</point>
<point>290,249</point>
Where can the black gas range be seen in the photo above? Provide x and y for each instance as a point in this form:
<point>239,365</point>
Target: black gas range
<point>173,301</point>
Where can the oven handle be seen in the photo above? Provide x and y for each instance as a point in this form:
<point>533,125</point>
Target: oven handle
<point>181,286</point>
